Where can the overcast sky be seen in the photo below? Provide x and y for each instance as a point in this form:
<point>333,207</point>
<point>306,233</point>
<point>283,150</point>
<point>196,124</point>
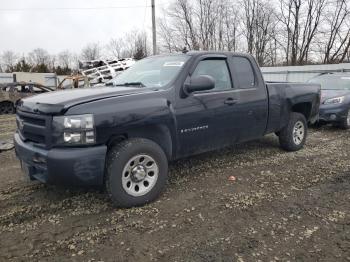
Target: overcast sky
<point>59,25</point>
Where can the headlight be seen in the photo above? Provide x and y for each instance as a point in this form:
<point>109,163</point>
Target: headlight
<point>75,129</point>
<point>79,122</point>
<point>335,100</point>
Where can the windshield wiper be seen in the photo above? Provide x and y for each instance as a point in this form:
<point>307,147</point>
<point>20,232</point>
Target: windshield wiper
<point>139,84</point>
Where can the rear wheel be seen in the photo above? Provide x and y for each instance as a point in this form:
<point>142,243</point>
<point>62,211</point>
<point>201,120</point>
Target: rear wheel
<point>136,172</point>
<point>293,136</point>
<point>345,124</point>
<point>7,108</point>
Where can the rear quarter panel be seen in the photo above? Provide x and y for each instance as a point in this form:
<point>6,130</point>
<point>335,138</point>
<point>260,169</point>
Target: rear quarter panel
<point>282,98</point>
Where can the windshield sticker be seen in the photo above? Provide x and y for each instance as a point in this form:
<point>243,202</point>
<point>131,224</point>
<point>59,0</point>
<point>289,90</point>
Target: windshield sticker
<point>345,78</point>
<point>175,63</point>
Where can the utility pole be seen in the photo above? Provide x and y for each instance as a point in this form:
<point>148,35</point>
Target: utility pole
<point>154,28</point>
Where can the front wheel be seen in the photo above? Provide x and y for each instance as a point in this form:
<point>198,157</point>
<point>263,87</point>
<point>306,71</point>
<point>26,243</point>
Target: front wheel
<point>293,136</point>
<point>136,172</point>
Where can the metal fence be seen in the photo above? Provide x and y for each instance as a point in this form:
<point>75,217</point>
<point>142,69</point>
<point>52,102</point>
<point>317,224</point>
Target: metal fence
<point>46,79</point>
<point>6,78</point>
<point>301,73</point>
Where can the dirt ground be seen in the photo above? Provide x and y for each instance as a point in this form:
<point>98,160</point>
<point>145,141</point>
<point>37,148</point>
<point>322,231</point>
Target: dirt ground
<point>282,207</point>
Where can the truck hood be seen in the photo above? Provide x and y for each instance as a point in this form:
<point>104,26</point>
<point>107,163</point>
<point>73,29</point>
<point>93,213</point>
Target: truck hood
<point>327,93</point>
<point>58,102</point>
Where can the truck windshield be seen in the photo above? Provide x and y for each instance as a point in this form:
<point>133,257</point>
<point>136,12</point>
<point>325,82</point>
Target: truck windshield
<point>332,82</point>
<point>155,71</point>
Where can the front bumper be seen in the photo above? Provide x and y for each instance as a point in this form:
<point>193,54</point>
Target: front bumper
<point>333,113</point>
<point>67,166</point>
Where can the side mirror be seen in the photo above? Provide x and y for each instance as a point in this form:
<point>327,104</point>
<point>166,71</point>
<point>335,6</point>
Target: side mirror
<point>200,83</point>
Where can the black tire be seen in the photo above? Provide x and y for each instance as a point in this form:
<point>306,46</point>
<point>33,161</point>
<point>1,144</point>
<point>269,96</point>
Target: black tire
<point>288,138</point>
<point>2,108</point>
<point>118,159</point>
<point>345,124</point>
<point>10,108</point>
<point>7,108</point>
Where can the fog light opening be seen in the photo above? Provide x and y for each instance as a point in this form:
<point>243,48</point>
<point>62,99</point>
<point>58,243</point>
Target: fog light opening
<point>333,117</point>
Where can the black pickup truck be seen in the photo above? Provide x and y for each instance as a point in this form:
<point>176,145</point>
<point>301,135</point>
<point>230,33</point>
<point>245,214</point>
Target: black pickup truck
<point>163,108</point>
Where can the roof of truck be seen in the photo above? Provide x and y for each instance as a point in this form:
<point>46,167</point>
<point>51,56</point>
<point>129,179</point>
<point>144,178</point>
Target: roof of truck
<point>200,53</point>
<point>215,53</point>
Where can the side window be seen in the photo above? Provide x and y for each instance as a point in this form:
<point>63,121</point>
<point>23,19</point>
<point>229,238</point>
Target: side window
<point>244,72</point>
<point>216,69</point>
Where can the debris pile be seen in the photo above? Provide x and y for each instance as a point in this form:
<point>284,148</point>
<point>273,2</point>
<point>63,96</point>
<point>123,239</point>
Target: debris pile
<point>101,71</point>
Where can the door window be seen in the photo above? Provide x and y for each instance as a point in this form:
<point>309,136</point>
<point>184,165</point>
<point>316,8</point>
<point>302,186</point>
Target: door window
<point>244,72</point>
<point>216,69</point>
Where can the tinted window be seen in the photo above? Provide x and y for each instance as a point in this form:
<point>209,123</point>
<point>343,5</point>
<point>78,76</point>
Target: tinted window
<point>244,71</point>
<point>216,69</point>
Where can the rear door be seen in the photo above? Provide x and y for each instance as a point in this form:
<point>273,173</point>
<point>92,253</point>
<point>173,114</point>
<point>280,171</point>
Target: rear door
<point>251,94</point>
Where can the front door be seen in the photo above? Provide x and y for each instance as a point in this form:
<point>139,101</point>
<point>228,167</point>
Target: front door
<point>207,120</point>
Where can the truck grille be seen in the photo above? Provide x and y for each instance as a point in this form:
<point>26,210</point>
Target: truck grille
<point>34,127</point>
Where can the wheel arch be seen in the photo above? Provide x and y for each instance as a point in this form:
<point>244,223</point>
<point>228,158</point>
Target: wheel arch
<point>160,134</point>
<point>7,101</point>
<point>303,108</point>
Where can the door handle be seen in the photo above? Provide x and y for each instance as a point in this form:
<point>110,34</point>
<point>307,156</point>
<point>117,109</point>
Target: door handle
<point>230,101</point>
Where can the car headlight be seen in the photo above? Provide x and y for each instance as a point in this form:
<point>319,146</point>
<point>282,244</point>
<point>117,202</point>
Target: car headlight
<point>74,129</point>
<point>335,100</point>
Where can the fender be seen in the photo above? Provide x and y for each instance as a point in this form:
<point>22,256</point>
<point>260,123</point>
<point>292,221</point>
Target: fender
<point>129,116</point>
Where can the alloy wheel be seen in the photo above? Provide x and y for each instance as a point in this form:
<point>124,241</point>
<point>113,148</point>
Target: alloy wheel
<point>298,132</point>
<point>140,175</point>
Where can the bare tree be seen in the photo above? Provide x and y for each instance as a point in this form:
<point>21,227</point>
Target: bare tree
<point>259,27</point>
<point>8,60</point>
<point>207,21</point>
<point>231,31</point>
<point>132,44</point>
<point>39,56</point>
<point>182,15</point>
<point>115,47</point>
<point>250,16</point>
<point>200,24</point>
<point>167,34</point>
<point>336,32</point>
<point>140,46</point>
<point>301,19</point>
<point>289,32</point>
<point>65,59</point>
<point>313,18</point>
<point>91,51</point>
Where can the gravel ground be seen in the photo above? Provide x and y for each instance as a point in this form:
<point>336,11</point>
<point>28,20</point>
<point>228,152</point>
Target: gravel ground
<point>281,207</point>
